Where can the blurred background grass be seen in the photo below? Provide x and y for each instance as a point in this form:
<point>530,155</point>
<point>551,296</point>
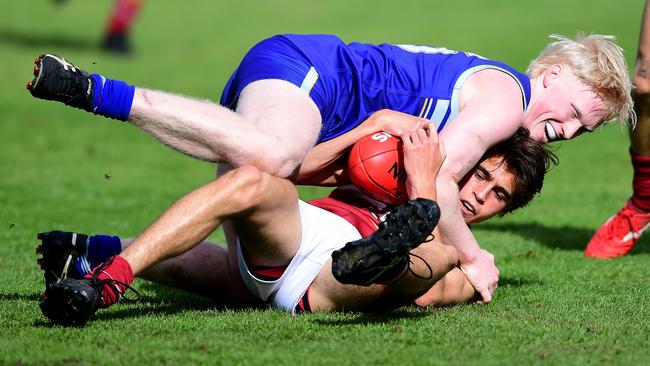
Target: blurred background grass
<point>63,168</point>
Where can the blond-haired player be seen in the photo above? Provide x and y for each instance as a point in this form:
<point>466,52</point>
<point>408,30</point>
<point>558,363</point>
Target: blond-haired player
<point>292,92</point>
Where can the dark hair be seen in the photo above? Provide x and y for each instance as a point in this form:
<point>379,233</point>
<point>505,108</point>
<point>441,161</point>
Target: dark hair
<point>528,160</point>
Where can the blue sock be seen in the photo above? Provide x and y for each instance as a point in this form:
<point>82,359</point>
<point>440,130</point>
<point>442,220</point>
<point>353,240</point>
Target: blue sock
<point>112,98</point>
<point>98,249</point>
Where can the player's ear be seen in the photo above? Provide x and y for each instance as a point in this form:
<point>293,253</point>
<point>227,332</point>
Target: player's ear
<point>551,74</point>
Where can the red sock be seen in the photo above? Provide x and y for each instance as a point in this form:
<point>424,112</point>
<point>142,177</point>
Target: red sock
<point>641,181</point>
<point>123,14</point>
<point>119,270</point>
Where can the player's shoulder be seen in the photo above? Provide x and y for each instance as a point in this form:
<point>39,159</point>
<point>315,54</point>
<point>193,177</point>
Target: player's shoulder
<point>500,82</point>
<point>497,90</point>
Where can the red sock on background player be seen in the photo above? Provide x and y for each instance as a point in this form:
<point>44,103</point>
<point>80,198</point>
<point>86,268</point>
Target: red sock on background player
<point>641,182</point>
<point>119,25</point>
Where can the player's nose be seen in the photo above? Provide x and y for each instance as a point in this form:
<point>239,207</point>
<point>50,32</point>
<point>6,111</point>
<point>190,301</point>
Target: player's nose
<point>480,195</point>
<point>570,129</point>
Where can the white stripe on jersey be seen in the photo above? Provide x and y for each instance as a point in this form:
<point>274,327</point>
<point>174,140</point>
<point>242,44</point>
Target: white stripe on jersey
<point>310,80</point>
<point>442,105</point>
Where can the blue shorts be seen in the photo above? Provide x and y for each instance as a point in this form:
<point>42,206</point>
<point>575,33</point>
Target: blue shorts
<point>331,79</point>
<point>276,58</point>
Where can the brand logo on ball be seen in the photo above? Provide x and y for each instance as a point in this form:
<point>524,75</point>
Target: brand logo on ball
<point>381,136</point>
<point>398,174</point>
<point>400,178</point>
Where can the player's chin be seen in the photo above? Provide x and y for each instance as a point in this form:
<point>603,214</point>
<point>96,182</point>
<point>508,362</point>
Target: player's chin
<point>469,219</point>
<point>539,134</point>
<point>476,219</point>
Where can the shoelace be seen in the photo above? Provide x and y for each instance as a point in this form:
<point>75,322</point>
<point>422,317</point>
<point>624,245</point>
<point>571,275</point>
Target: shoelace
<point>430,276</point>
<point>110,281</point>
<point>626,221</point>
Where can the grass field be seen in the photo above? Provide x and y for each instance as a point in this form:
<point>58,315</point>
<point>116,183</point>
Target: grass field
<point>63,168</point>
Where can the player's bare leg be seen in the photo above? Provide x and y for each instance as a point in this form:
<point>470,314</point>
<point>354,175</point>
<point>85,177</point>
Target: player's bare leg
<point>429,265</point>
<point>248,196</point>
<point>265,210</point>
<point>204,270</point>
<point>432,279</point>
<point>275,125</point>
<point>618,235</point>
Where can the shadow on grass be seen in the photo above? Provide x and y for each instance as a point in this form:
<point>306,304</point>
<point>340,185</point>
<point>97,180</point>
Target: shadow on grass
<point>377,318</point>
<point>15,296</point>
<point>169,301</point>
<point>411,312</point>
<point>164,301</point>
<point>45,42</point>
<point>155,307</point>
<point>557,237</point>
<point>505,281</point>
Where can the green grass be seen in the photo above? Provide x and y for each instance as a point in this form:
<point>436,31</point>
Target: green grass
<point>553,306</point>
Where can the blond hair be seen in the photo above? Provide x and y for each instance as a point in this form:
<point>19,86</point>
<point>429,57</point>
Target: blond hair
<point>599,63</point>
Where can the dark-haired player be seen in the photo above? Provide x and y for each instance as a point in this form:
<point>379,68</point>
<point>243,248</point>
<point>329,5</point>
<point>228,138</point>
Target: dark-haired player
<point>282,246</point>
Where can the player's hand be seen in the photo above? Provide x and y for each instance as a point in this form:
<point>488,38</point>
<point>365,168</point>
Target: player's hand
<point>423,157</point>
<point>395,123</point>
<point>483,274</point>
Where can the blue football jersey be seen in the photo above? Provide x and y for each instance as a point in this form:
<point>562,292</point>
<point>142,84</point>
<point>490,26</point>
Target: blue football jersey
<point>349,82</point>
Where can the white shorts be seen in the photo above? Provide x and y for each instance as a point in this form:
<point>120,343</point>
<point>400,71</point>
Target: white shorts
<point>322,233</point>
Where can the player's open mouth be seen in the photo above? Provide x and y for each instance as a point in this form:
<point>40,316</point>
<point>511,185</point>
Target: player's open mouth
<point>550,132</point>
<point>466,208</point>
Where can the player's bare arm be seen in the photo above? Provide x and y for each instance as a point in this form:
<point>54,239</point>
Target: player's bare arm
<point>423,157</point>
<point>487,117</point>
<point>324,164</point>
<point>453,289</point>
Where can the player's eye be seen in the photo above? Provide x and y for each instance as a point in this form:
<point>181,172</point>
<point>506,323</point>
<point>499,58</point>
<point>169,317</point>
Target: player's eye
<point>574,112</point>
<point>500,195</point>
<point>580,131</point>
<point>479,174</point>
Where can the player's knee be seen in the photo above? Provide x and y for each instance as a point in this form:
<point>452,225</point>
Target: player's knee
<point>248,185</point>
<point>276,153</point>
<point>279,160</point>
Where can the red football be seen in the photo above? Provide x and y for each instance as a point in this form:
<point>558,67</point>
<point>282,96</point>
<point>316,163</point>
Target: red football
<point>376,166</point>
